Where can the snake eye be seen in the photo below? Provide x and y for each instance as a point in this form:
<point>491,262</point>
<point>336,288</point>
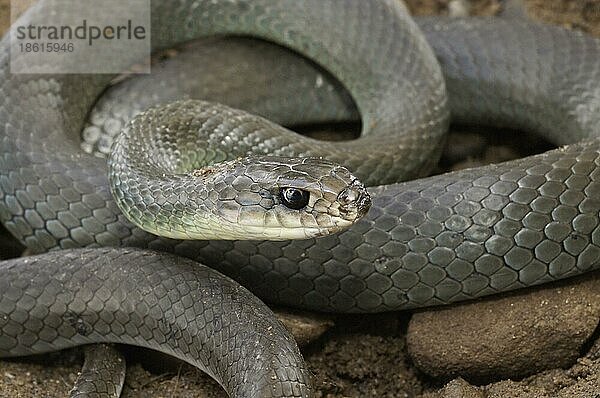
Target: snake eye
<point>294,198</point>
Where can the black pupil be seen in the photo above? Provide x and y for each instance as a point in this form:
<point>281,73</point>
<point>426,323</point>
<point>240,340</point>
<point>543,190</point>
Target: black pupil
<point>294,198</point>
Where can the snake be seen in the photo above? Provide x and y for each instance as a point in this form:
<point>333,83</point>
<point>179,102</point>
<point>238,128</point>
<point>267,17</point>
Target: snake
<point>429,241</point>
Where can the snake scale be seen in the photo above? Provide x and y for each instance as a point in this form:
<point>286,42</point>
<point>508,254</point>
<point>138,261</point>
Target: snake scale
<point>424,242</point>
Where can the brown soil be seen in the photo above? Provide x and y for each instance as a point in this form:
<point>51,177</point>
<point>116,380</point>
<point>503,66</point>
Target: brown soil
<point>362,356</point>
<point>579,14</point>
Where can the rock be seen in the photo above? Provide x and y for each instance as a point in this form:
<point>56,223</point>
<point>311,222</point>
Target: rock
<point>507,337</point>
<point>459,8</point>
<point>459,388</point>
<point>304,326</point>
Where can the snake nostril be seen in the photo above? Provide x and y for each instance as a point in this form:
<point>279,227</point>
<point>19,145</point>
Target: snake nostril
<point>354,199</point>
<point>348,196</point>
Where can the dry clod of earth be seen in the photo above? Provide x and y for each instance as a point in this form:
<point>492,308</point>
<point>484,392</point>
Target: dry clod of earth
<point>510,337</point>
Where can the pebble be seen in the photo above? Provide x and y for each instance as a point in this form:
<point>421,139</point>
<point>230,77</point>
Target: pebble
<point>459,8</point>
<point>458,388</point>
<point>306,327</point>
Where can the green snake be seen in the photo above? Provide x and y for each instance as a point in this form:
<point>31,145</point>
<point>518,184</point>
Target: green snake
<point>425,242</point>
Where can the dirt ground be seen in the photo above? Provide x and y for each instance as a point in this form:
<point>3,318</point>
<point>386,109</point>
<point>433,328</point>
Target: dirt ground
<point>362,356</point>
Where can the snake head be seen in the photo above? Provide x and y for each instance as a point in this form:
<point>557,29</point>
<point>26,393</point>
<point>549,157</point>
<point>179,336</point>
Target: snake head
<point>277,198</point>
<point>163,185</point>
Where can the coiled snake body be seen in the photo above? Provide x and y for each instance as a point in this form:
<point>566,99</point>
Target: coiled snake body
<point>429,241</point>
